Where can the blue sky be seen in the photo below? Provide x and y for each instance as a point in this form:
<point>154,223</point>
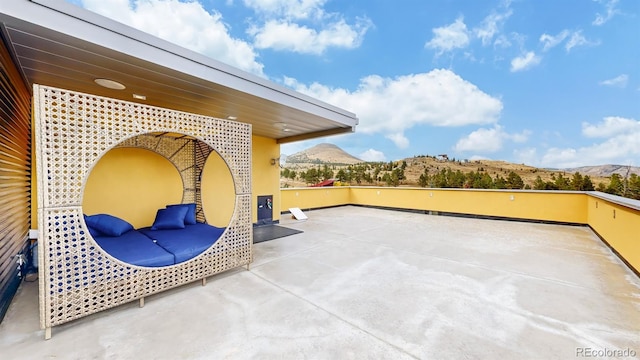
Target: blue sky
<point>543,82</point>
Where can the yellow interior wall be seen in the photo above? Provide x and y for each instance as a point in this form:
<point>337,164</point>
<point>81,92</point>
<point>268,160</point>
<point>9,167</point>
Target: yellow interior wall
<point>218,191</point>
<point>132,184</point>
<point>620,230</point>
<point>265,178</point>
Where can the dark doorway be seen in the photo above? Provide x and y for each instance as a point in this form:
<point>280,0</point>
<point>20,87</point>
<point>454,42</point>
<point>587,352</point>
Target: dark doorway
<point>265,210</point>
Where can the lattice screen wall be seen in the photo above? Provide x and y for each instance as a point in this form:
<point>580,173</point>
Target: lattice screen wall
<point>73,130</point>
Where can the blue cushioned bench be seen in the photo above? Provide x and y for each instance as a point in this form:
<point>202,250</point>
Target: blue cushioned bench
<point>175,237</point>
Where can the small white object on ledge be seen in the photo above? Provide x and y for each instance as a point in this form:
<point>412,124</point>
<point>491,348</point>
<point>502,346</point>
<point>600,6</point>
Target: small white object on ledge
<point>298,214</point>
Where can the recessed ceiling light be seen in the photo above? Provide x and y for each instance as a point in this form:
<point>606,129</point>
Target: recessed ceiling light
<point>139,97</point>
<point>286,129</point>
<point>280,125</point>
<point>232,118</point>
<point>110,84</point>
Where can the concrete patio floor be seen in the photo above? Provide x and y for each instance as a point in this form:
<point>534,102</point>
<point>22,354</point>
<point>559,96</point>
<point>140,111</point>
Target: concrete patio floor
<point>370,283</point>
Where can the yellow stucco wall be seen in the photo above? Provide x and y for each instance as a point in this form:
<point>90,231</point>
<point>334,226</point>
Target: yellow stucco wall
<point>132,184</point>
<point>310,198</point>
<point>618,225</point>
<point>548,206</point>
<point>265,178</point>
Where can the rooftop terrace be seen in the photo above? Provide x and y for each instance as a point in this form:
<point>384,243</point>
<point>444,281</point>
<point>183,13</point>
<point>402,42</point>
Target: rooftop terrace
<point>370,283</point>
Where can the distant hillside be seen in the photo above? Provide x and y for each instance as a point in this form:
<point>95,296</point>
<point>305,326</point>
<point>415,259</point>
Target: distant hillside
<point>322,154</point>
<point>417,165</point>
<point>605,170</point>
<point>328,154</point>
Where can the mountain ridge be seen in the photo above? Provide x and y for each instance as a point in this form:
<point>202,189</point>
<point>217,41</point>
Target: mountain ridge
<point>324,153</point>
<point>331,154</point>
<point>605,170</point>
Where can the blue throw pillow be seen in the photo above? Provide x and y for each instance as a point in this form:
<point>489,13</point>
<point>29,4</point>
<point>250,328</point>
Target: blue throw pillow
<point>107,225</point>
<point>190,217</point>
<point>170,218</point>
<point>93,231</point>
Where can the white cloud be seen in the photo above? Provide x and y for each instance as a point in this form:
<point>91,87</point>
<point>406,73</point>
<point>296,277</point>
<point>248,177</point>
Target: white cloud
<point>457,36</point>
<point>187,24</point>
<point>611,126</point>
<point>399,139</point>
<point>289,9</point>
<point>573,39</point>
<point>621,145</point>
<point>611,11</point>
<point>391,106</point>
<point>525,62</point>
<point>488,140</point>
<point>618,81</point>
<point>550,41</point>
<point>303,26</point>
<point>373,155</point>
<point>450,37</point>
<point>478,157</point>
<point>577,39</point>
<point>285,35</point>
<point>502,41</point>
<point>526,156</point>
<point>491,25</point>
<point>481,140</point>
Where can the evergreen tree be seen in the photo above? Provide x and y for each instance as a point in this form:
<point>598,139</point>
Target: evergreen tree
<point>538,183</point>
<point>587,185</point>
<point>633,189</point>
<point>387,178</point>
<point>456,179</point>
<point>395,179</point>
<point>326,173</point>
<point>616,186</point>
<point>514,181</point>
<point>562,183</point>
<point>577,181</point>
<point>368,178</point>
<point>500,182</point>
<point>312,176</point>
<point>423,180</point>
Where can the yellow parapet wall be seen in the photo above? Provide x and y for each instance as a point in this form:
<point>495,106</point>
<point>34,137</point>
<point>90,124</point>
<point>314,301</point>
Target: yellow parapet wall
<point>615,219</point>
<point>618,224</point>
<point>569,207</point>
<point>312,198</point>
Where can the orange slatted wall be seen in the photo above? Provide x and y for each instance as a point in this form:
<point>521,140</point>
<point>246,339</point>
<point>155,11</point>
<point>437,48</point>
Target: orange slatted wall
<point>15,173</point>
